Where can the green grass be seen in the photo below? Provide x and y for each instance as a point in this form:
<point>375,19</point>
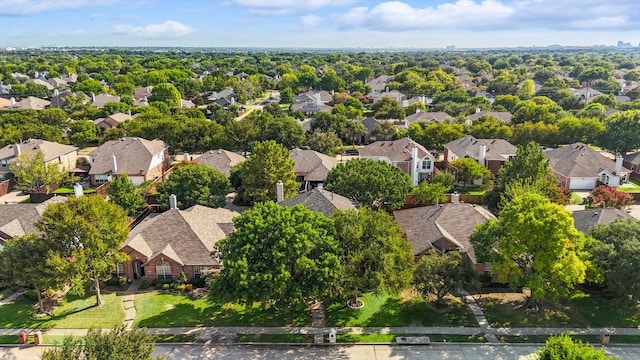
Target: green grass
<point>581,310</point>
<point>471,189</point>
<point>385,310</point>
<point>9,339</point>
<point>74,312</point>
<point>69,190</point>
<point>273,338</point>
<point>576,199</point>
<point>156,309</point>
<point>630,187</point>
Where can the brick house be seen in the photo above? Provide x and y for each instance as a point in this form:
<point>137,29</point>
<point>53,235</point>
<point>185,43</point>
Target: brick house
<point>491,153</point>
<point>63,155</point>
<point>164,245</point>
<point>632,162</point>
<point>405,154</point>
<point>138,158</point>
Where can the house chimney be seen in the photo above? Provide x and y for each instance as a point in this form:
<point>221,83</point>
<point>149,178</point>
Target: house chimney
<point>319,186</point>
<point>279,191</point>
<point>77,190</point>
<point>114,164</point>
<point>93,97</point>
<point>414,165</point>
<point>482,155</point>
<point>16,150</point>
<point>233,100</point>
<point>477,110</point>
<point>13,101</point>
<point>129,112</point>
<point>55,92</point>
<point>185,156</point>
<point>618,169</point>
<point>173,202</point>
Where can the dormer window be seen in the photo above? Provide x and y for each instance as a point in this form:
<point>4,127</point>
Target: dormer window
<point>426,164</point>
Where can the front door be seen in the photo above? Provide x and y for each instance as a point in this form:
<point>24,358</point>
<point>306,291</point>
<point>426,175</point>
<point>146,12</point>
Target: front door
<point>138,270</point>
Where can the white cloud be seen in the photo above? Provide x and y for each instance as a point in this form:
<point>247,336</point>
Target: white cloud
<point>168,29</point>
<point>309,22</point>
<point>282,7</point>
<point>31,7</point>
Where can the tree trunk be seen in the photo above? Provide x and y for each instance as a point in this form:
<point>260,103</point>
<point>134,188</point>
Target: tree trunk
<point>96,285</point>
<point>40,304</point>
<point>532,302</point>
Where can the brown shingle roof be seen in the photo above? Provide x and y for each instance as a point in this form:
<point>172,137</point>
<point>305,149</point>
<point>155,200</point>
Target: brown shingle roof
<point>633,158</point>
<point>438,116</point>
<point>21,219</point>
<point>497,149</point>
<point>186,236</point>
<point>311,165</point>
<point>30,103</point>
<point>320,200</point>
<point>444,226</point>
<point>51,150</point>
<point>579,160</point>
<point>221,160</point>
<point>133,155</point>
<point>398,150</point>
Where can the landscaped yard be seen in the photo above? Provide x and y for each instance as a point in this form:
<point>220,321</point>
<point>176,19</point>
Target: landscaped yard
<point>155,309</point>
<point>73,312</point>
<point>631,187</point>
<point>69,190</point>
<point>581,310</point>
<point>407,310</point>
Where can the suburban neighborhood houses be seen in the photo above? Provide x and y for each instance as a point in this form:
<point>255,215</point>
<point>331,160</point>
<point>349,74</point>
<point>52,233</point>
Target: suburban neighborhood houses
<point>311,197</point>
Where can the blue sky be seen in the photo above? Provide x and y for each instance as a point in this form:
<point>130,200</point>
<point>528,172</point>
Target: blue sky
<point>318,23</point>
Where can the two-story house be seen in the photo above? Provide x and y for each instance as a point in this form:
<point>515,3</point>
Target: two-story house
<point>63,155</point>
<point>406,154</point>
<point>491,153</point>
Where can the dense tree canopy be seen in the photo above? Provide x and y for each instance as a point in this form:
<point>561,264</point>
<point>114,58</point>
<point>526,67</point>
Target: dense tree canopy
<point>195,184</point>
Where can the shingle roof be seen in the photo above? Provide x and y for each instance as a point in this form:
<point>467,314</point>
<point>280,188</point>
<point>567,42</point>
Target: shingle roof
<point>133,155</point>
<point>633,158</point>
<point>320,200</point>
<point>186,236</point>
<point>102,99</point>
<point>497,149</point>
<point>444,226</point>
<point>59,100</point>
<point>369,123</point>
<point>311,165</point>
<point>438,116</point>
<point>398,150</point>
<point>579,160</point>
<point>31,103</point>
<point>585,219</point>
<point>20,219</point>
<point>503,116</point>
<point>221,160</point>
<point>51,150</point>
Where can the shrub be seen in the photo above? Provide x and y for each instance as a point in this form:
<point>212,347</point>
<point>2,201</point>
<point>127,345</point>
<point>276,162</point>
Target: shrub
<point>158,283</point>
<point>198,282</point>
<point>112,282</point>
<point>182,279</point>
<point>165,286</point>
<point>188,287</point>
<point>144,284</point>
<point>30,295</point>
<point>122,281</point>
<point>48,293</point>
<point>610,197</point>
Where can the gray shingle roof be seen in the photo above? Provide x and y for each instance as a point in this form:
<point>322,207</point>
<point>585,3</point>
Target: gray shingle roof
<point>186,236</point>
<point>585,219</point>
<point>133,155</point>
<point>311,165</point>
<point>579,160</point>
<point>438,116</point>
<point>20,219</point>
<point>444,226</point>
<point>633,158</point>
<point>398,150</point>
<point>51,150</point>
<point>31,103</point>
<point>497,149</point>
<point>320,200</point>
<point>102,99</point>
<point>221,160</point>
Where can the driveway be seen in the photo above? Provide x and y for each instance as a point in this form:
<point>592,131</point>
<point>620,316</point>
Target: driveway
<point>13,197</point>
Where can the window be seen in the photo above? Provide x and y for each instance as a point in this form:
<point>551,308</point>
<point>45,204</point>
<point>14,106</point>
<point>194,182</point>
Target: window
<point>426,164</point>
<point>163,270</point>
<point>119,269</point>
<point>197,271</point>
<point>101,178</point>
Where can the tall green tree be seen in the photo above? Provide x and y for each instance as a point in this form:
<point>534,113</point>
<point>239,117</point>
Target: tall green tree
<point>195,184</point>
<point>375,255</point>
<point>85,235</point>
<point>533,244</point>
<point>167,94</point>
<point>429,193</point>
<point>622,132</point>
<point>269,163</point>
<point>466,170</point>
<point>125,194</point>
<point>370,182</point>
<point>32,172</point>
<point>24,263</point>
<point>279,254</point>
<point>440,274</point>
<point>325,142</point>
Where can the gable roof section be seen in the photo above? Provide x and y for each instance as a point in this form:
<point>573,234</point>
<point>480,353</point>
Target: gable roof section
<point>583,220</point>
<point>186,236</point>
<point>133,155</point>
<point>469,146</point>
<point>320,200</point>
<point>396,151</point>
<point>443,227</point>
<point>31,103</point>
<point>438,116</point>
<point>633,158</point>
<point>221,160</point>
<point>311,165</point>
<point>101,100</point>
<point>51,150</point>
<point>579,160</point>
<point>21,219</point>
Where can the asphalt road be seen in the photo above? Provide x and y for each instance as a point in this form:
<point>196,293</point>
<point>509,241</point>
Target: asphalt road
<point>356,352</point>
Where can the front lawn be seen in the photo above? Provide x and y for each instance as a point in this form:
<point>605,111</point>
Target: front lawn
<point>69,190</point>
<point>408,310</point>
<point>74,312</point>
<point>630,187</point>
<point>155,309</point>
<point>581,310</point>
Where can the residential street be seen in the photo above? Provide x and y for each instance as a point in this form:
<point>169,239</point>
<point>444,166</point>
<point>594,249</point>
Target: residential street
<point>356,352</point>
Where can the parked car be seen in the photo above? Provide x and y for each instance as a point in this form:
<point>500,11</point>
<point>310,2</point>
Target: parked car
<point>352,152</point>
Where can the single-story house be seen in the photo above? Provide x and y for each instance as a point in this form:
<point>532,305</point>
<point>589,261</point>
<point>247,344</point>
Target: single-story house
<point>221,160</point>
<point>583,220</point>
<point>164,245</point>
<point>491,153</point>
<point>320,200</point>
<point>406,154</point>
<point>579,167</point>
<point>443,227</point>
<point>139,158</point>
<point>436,116</point>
